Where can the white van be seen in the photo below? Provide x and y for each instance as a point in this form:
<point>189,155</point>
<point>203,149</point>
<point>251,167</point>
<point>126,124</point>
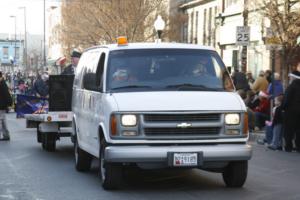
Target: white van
<point>158,105</point>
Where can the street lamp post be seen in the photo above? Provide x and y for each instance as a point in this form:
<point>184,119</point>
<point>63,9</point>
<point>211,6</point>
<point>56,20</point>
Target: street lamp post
<point>159,26</point>
<point>14,59</point>
<point>44,56</point>
<point>25,37</point>
<point>15,52</point>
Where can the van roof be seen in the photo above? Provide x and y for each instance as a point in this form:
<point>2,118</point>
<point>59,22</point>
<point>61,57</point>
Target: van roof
<point>112,47</point>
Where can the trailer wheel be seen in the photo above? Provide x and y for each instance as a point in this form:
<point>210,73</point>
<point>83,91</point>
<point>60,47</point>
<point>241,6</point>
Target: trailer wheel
<point>49,141</point>
<point>39,136</point>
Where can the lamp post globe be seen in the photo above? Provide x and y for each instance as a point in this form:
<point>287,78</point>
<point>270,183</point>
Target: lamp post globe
<point>159,26</point>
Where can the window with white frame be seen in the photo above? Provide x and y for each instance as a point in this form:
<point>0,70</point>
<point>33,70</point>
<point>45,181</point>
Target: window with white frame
<point>17,52</point>
<point>231,2</point>
<point>5,52</point>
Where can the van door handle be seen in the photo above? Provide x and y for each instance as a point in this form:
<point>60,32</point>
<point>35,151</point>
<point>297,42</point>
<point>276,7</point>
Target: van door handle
<point>83,100</point>
<point>90,101</point>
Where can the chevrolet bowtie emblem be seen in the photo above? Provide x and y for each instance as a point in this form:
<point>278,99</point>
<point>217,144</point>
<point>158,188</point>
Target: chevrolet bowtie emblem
<point>184,125</point>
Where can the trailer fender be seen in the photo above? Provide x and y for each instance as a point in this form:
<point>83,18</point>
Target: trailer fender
<point>45,127</point>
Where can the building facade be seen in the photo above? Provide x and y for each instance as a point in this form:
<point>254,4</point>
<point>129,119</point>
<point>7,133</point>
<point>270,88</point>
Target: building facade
<point>214,23</point>
<point>52,31</point>
<point>11,54</point>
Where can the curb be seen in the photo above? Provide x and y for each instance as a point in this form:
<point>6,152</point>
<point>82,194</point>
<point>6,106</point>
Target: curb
<point>254,136</point>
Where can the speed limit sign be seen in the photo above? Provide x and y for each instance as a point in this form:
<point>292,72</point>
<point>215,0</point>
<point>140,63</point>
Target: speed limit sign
<point>242,35</point>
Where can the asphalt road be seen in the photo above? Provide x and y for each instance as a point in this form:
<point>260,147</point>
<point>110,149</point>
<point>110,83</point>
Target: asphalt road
<point>27,172</point>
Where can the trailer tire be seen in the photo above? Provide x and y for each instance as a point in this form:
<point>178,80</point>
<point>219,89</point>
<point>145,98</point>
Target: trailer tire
<point>39,136</point>
<point>49,141</point>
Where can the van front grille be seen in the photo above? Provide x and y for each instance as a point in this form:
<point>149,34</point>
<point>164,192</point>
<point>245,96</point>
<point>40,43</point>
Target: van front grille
<point>182,117</point>
<point>194,131</point>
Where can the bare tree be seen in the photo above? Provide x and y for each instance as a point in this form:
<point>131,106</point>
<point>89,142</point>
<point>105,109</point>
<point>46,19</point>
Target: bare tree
<point>175,21</point>
<point>284,16</point>
<point>92,22</point>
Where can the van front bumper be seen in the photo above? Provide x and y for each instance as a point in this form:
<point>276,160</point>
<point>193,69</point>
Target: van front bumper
<point>150,154</point>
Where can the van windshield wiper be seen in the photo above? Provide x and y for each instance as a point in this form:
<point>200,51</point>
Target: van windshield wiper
<point>193,86</point>
<point>131,86</point>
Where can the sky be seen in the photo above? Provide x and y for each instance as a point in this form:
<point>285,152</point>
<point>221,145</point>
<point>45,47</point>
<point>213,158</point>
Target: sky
<point>34,15</point>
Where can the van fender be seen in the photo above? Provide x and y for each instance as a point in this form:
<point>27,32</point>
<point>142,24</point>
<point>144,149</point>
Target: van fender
<point>102,132</point>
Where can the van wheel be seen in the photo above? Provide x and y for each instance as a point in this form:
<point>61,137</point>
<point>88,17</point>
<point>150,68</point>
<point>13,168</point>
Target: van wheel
<point>235,174</point>
<point>49,141</point>
<point>110,173</point>
<point>83,160</point>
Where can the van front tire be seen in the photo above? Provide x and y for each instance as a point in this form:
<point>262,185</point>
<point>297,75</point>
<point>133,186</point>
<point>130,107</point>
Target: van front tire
<point>83,160</point>
<point>110,173</point>
<point>235,174</point>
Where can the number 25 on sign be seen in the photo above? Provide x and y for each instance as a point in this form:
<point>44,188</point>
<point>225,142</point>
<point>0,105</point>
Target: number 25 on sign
<point>243,35</point>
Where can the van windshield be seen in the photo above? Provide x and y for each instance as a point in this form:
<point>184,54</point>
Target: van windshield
<point>164,69</point>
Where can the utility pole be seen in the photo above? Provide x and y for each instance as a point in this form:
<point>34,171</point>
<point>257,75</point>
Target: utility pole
<point>244,49</point>
<point>25,38</point>
<point>15,50</point>
<point>44,56</point>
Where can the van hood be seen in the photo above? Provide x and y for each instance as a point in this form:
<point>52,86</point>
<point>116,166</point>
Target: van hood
<point>178,101</point>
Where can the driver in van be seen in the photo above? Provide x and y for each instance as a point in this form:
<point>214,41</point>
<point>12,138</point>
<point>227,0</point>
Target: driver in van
<point>199,70</point>
<point>123,74</point>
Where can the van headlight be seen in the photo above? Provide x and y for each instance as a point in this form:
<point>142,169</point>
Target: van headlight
<point>232,119</point>
<point>128,120</point>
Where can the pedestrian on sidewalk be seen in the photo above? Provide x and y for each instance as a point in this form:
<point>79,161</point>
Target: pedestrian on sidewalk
<point>278,86</point>
<point>277,123</point>
<point>262,111</point>
<point>240,81</point>
<point>5,102</point>
<point>260,84</point>
<point>291,106</point>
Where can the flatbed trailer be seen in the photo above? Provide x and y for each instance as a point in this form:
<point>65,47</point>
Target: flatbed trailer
<point>56,123</point>
<point>50,127</point>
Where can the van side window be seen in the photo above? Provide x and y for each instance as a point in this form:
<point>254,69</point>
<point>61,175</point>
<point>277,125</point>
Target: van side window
<point>79,70</point>
<point>99,72</point>
<point>91,79</point>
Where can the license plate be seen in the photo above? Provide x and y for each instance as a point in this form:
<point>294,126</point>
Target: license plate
<point>185,159</point>
<point>62,116</point>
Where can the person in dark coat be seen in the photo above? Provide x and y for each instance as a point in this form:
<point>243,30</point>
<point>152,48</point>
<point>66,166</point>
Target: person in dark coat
<point>5,102</point>
<point>291,106</point>
<point>240,81</point>
<point>41,86</point>
<point>268,75</point>
<point>70,69</point>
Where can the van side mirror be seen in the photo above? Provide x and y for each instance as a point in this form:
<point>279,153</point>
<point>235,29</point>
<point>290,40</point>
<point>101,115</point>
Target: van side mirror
<point>89,82</point>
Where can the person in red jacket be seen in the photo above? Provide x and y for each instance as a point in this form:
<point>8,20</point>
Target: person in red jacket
<point>262,111</point>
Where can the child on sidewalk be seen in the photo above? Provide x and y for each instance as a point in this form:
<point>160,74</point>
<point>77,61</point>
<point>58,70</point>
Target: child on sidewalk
<point>273,131</point>
<point>277,122</point>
